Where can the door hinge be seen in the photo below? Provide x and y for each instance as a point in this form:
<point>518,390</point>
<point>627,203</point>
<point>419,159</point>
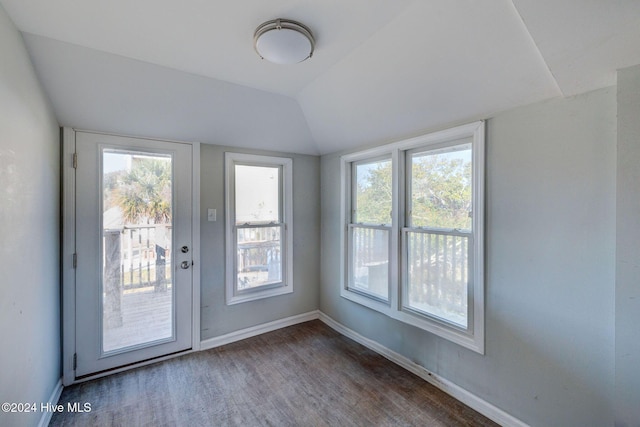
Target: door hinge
<point>75,160</point>
<point>75,361</point>
<point>75,260</point>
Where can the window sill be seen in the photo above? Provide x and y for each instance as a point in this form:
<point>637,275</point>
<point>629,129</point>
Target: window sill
<point>468,340</point>
<point>259,294</point>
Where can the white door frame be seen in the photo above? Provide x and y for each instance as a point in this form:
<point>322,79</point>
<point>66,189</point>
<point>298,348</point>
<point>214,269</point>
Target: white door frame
<point>68,272</point>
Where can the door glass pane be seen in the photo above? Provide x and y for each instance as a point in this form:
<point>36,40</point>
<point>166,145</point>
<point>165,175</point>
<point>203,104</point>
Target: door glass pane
<point>257,194</point>
<point>137,282</point>
<point>370,261</point>
<point>441,188</point>
<point>372,203</point>
<point>438,275</point>
<point>259,260</point>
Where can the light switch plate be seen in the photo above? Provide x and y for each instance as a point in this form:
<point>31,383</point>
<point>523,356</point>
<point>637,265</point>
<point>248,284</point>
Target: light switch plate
<point>211,215</point>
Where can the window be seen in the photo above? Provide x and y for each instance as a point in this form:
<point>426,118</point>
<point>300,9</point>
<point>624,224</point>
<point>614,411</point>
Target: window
<point>370,228</point>
<point>258,227</point>
<point>413,242</point>
<point>438,231</point>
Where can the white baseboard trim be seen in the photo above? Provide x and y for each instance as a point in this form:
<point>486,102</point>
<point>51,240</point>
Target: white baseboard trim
<point>257,330</point>
<point>485,408</point>
<point>53,400</point>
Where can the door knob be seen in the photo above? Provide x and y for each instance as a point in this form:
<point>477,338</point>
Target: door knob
<point>185,264</point>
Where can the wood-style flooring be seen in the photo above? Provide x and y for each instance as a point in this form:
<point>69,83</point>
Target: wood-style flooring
<point>303,375</point>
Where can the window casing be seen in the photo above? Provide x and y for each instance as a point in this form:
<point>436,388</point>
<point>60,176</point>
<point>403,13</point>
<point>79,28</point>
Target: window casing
<point>258,227</point>
<point>434,267</point>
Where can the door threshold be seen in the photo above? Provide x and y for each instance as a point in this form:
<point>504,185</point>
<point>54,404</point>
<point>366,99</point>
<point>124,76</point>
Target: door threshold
<point>107,372</point>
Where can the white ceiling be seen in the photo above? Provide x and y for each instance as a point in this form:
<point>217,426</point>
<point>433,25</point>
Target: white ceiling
<point>382,69</point>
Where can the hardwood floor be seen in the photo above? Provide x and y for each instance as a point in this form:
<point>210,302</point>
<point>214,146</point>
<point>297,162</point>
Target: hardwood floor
<point>303,375</point>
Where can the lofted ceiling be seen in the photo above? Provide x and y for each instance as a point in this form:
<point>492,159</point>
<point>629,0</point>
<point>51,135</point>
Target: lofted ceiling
<point>382,70</point>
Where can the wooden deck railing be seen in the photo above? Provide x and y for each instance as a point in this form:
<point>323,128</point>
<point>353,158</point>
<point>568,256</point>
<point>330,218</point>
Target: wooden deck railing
<point>435,264</point>
<point>138,256</point>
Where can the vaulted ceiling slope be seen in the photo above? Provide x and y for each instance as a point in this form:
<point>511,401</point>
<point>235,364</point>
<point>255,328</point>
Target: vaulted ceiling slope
<point>382,70</point>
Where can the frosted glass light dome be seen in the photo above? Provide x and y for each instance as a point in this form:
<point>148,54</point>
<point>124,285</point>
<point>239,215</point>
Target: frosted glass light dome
<point>283,41</point>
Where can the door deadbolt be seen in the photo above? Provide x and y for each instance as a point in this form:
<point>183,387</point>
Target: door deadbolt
<point>184,249</point>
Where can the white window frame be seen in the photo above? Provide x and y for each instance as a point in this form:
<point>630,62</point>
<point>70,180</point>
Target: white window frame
<point>473,336</point>
<point>233,296</point>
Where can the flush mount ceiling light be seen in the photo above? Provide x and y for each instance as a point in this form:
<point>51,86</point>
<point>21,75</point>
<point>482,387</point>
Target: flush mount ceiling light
<point>283,41</point>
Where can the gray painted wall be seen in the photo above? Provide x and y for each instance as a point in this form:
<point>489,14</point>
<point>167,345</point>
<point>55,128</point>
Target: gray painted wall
<point>218,318</point>
<point>29,229</point>
<point>550,263</point>
<point>627,379</point>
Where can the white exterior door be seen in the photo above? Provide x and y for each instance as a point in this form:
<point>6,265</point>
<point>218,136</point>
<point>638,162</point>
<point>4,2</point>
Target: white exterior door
<point>133,213</point>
